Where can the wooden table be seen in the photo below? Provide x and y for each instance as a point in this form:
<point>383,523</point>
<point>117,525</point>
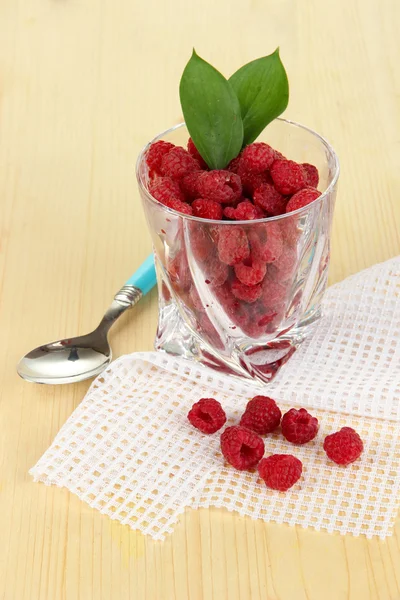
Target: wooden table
<point>83,85</point>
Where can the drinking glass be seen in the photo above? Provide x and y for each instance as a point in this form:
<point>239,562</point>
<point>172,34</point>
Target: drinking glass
<point>199,316</point>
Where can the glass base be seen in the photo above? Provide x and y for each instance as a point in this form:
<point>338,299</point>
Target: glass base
<point>260,361</point>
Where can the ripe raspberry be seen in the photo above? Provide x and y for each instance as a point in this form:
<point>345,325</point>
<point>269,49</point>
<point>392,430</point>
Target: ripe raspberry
<point>298,426</point>
<point>290,230</point>
<point>252,330</point>
<point>267,317</point>
<point>262,415</point>
<point>288,176</point>
<point>166,294</point>
<point>233,245</point>
<point>232,307</point>
<point>245,211</point>
<point>177,163</point>
<point>165,190</point>
<point>220,186</point>
<point>312,175</point>
<point>181,207</point>
<point>271,201</point>
<point>258,320</point>
<point>189,185</point>
<point>251,271</point>
<point>247,293</point>
<point>279,155</point>
<point>207,415</point>
<point>196,154</point>
<point>195,299</point>
<point>280,471</point>
<point>266,242</point>
<point>260,214</point>
<point>241,447</point>
<point>284,266</point>
<point>201,244</point>
<point>207,209</point>
<point>273,294</point>
<point>252,181</point>
<point>179,271</point>
<point>257,157</point>
<point>234,164</point>
<point>155,154</point>
<point>215,272</point>
<point>208,330</point>
<point>344,446</point>
<point>302,198</point>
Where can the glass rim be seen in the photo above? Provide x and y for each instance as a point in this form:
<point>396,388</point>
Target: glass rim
<point>297,212</point>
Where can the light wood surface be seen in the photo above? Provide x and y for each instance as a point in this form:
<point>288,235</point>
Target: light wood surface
<point>83,85</point>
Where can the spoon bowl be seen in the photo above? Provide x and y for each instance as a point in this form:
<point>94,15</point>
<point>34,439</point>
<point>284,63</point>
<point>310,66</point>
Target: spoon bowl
<point>79,358</point>
<point>67,361</point>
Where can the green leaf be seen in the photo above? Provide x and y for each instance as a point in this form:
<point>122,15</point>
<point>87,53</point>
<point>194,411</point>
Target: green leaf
<point>212,112</point>
<point>263,91</point>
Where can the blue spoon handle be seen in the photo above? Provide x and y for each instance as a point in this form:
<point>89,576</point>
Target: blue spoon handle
<point>145,277</point>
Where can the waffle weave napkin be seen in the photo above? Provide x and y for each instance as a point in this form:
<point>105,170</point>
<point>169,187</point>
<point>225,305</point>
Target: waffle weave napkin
<point>129,451</point>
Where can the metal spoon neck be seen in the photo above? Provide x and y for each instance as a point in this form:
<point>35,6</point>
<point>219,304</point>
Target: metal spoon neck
<point>125,298</point>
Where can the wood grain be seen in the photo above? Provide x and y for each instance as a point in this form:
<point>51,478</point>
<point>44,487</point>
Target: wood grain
<point>83,85</point>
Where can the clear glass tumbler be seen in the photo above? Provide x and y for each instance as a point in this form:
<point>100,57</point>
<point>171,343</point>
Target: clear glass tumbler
<point>199,317</point>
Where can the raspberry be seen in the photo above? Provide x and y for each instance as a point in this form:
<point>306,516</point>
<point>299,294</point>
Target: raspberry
<point>344,446</point>
<point>208,330</point>
<point>312,175</point>
<point>166,294</point>
<point>231,305</point>
<point>215,272</point>
<point>271,201</point>
<point>195,298</point>
<point>288,176</point>
<point>298,426</point>
<point>279,155</point>
<point>165,190</point>
<point>207,209</point>
<point>196,154</point>
<point>284,266</point>
<point>245,211</point>
<point>207,415</point>
<point>251,271</point>
<point>257,157</point>
<point>177,163</point>
<point>302,198</point>
<point>220,186</point>
<point>236,310</point>
<point>280,471</point>
<point>155,154</point>
<point>181,207</point>
<point>189,185</point>
<point>247,293</point>
<point>179,271</point>
<point>260,214</point>
<point>262,415</point>
<point>273,294</point>
<point>258,320</point>
<point>234,164</point>
<point>233,245</point>
<point>290,230</point>
<point>201,244</point>
<point>252,181</point>
<point>266,242</point>
<point>241,447</point>
<point>266,318</point>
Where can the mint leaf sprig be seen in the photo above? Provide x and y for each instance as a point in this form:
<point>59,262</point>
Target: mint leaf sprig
<point>224,115</point>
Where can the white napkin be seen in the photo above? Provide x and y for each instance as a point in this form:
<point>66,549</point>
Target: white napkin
<point>129,451</point>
